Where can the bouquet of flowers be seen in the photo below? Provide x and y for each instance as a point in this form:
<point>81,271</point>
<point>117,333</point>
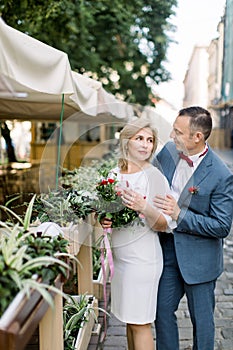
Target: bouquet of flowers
<point>109,204</point>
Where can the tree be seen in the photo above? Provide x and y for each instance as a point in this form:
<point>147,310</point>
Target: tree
<point>119,42</point>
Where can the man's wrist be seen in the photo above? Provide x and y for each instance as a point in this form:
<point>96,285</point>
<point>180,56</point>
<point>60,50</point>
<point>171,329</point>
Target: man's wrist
<point>177,213</point>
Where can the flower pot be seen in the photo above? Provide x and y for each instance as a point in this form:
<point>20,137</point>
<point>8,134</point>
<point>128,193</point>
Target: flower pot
<point>21,319</point>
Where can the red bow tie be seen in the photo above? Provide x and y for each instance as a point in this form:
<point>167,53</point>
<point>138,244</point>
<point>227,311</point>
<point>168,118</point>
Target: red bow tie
<point>188,160</point>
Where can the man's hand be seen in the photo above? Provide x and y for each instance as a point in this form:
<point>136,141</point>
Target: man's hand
<point>168,205</point>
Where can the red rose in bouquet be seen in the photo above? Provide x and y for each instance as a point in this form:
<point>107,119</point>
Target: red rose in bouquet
<point>109,204</point>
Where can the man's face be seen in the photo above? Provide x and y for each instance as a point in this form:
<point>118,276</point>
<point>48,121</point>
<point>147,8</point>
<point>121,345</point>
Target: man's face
<point>182,136</point>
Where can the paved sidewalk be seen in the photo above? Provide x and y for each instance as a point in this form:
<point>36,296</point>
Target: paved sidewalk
<point>116,332</point>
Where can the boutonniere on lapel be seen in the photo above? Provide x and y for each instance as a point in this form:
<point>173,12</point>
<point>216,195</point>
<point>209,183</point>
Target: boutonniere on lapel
<point>193,190</point>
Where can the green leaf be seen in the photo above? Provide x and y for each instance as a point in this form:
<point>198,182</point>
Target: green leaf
<point>3,207</point>
<point>42,261</point>
<point>75,318</point>
<point>108,215</point>
<point>28,215</point>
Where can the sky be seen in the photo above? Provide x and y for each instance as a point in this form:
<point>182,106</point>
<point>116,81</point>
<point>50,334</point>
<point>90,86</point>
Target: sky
<point>196,23</point>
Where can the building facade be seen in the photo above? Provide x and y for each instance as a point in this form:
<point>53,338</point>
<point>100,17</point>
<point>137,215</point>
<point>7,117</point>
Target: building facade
<point>226,105</point>
<point>195,81</point>
<point>209,80</point>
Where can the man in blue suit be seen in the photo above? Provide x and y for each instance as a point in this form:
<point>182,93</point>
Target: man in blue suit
<point>202,205</point>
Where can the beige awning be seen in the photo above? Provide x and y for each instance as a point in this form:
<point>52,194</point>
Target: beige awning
<point>34,76</point>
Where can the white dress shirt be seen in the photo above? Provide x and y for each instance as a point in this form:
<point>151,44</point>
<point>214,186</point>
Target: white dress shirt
<point>183,172</point>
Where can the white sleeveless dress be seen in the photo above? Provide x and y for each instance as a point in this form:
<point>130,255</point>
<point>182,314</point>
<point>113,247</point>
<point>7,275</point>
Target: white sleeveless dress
<point>137,256</point>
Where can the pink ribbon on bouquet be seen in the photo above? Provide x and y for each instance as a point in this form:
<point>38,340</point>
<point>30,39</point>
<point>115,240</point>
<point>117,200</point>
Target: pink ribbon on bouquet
<point>105,246</point>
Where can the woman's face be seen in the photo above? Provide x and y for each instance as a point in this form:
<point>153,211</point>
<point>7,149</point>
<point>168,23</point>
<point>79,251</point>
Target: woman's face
<point>140,145</point>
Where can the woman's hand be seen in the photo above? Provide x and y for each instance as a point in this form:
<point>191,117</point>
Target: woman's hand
<point>137,202</point>
<point>133,200</point>
<point>106,223</point>
<point>168,205</point>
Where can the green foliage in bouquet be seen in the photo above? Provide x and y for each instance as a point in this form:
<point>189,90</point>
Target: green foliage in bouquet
<point>109,204</point>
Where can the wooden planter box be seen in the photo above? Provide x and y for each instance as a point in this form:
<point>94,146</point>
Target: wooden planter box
<point>78,234</point>
<point>98,284</point>
<point>20,320</point>
<point>84,334</point>
<point>72,235</point>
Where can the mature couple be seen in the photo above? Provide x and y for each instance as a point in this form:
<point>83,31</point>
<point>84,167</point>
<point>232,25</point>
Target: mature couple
<point>187,208</point>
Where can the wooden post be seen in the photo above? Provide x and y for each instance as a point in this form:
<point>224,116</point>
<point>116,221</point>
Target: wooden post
<point>85,272</point>
<point>51,327</point>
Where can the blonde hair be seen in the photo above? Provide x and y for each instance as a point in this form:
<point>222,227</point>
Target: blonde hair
<point>128,132</point>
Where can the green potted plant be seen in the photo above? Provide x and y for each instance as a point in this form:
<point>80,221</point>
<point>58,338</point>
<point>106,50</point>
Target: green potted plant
<point>72,202</point>
<point>32,269</point>
<point>70,209</point>
<point>79,316</point>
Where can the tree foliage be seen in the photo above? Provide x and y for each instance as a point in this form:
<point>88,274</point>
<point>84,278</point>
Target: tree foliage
<point>119,42</point>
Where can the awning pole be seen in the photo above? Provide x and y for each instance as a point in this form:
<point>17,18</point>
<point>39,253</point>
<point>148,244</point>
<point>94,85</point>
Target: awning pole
<point>59,144</point>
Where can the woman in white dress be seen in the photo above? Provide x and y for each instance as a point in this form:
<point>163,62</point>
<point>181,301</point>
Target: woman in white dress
<point>137,253</point>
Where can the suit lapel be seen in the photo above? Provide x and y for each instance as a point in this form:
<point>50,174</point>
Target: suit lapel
<point>171,167</point>
<point>198,176</point>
